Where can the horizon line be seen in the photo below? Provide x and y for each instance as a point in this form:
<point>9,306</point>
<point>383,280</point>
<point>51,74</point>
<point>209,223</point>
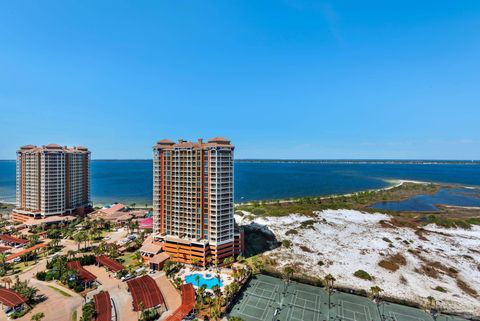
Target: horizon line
<point>307,159</point>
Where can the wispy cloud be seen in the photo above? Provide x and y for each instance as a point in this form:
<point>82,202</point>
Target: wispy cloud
<point>331,18</point>
<point>327,11</point>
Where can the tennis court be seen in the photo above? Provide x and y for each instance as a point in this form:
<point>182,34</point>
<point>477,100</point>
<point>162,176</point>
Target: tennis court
<point>396,312</point>
<point>349,307</point>
<point>258,301</point>
<point>267,298</point>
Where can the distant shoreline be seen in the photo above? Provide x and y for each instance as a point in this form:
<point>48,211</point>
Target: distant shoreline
<point>363,161</point>
<point>321,161</point>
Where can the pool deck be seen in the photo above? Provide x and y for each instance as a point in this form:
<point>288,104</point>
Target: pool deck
<point>225,274</point>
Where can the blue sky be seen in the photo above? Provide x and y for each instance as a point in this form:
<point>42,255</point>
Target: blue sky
<point>281,79</point>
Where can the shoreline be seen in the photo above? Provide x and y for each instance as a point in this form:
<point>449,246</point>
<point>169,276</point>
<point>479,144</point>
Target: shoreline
<point>392,183</point>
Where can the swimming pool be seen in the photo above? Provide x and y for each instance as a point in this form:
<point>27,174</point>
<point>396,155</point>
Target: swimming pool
<point>208,280</point>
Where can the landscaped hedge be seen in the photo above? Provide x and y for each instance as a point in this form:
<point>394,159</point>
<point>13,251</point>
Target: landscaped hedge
<point>87,260</point>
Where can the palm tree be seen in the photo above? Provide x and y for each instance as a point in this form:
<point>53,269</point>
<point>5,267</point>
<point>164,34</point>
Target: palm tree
<point>33,239</point>
<point>8,281</point>
<point>90,237</point>
<point>70,254</point>
<point>432,307</point>
<point>201,294</point>
<point>3,256</point>
<point>137,255</point>
<point>194,261</point>
<point>431,302</point>
<point>135,226</point>
<point>197,279</point>
<point>228,261</point>
<point>375,292</point>
<point>53,243</point>
<point>215,314</point>
<point>216,290</point>
<point>287,274</point>
<point>79,239</point>
<point>375,296</point>
<point>329,281</point>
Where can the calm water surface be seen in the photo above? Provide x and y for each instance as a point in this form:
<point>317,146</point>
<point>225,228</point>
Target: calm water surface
<point>427,203</point>
<point>131,181</point>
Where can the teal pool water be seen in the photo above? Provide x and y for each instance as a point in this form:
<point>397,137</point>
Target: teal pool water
<point>209,281</point>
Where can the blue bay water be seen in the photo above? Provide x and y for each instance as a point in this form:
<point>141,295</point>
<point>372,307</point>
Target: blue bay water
<point>131,181</point>
<point>428,203</point>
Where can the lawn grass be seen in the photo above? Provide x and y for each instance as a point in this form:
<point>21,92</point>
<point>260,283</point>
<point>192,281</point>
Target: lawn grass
<point>74,315</point>
<point>130,260</point>
<point>60,291</point>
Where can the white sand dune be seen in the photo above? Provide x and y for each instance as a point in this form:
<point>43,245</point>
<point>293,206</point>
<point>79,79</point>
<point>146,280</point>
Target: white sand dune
<point>347,240</point>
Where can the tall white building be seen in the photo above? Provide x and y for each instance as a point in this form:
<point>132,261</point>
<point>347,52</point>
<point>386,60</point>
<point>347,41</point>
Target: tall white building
<point>193,199</point>
<point>51,180</point>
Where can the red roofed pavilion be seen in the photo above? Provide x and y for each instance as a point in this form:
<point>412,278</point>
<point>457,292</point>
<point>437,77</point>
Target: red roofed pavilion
<point>188,303</point>
<point>11,298</point>
<point>145,291</point>
<point>109,263</point>
<point>103,306</point>
<point>83,275</point>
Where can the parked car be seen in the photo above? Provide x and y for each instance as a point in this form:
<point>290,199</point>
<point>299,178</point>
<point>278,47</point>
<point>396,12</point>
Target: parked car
<point>9,311</point>
<point>127,277</point>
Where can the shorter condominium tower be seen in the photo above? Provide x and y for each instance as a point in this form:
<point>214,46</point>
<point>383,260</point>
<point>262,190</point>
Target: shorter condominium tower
<point>51,180</point>
<point>193,200</point>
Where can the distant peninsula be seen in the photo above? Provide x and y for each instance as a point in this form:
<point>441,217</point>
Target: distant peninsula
<point>361,161</point>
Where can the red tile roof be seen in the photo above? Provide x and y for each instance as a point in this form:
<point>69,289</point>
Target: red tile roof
<point>113,209</point>
<point>188,302</point>
<point>219,140</point>
<point>30,249</point>
<point>109,263</point>
<point>103,306</point>
<point>10,298</point>
<point>145,290</point>
<point>4,249</point>
<point>12,239</point>
<point>83,274</point>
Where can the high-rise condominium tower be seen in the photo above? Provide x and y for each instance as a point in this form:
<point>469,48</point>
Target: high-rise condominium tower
<point>51,180</point>
<point>193,200</point>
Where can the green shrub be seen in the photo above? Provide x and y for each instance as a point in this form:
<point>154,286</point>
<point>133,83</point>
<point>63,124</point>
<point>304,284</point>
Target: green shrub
<point>440,289</point>
<point>291,232</point>
<point>363,275</point>
<point>41,275</point>
<point>452,270</point>
<point>286,243</point>
<point>16,315</point>
<point>258,211</point>
<point>307,224</point>
<point>88,260</point>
